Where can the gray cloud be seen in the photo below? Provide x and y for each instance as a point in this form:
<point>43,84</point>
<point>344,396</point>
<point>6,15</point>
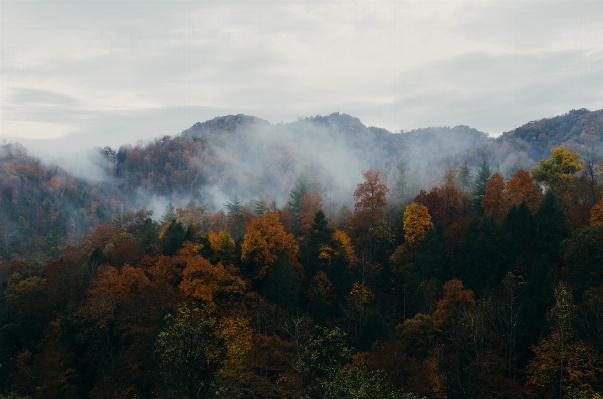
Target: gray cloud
<point>132,71</point>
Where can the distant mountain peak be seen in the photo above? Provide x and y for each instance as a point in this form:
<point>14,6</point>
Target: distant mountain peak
<point>228,123</point>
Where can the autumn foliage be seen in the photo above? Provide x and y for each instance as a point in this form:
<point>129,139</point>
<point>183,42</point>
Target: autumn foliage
<point>489,294</point>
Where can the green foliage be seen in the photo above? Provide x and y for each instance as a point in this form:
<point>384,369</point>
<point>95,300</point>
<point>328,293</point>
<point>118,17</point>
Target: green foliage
<point>550,223</point>
<point>174,237</point>
<point>325,354</point>
<point>465,176</point>
<point>355,382</point>
<point>188,352</point>
<point>479,186</point>
<point>169,214</point>
<point>281,286</point>
<point>583,256</point>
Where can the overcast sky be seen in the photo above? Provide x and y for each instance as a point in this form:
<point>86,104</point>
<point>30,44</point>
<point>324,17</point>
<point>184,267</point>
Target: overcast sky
<point>104,73</point>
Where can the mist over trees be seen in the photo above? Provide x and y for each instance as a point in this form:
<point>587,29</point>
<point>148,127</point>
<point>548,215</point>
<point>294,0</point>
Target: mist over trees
<point>319,258</point>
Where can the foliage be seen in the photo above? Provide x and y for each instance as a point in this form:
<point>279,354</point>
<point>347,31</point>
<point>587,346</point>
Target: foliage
<point>417,223</point>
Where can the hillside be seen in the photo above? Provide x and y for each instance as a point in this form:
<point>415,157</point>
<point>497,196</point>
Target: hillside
<point>478,284</point>
<point>578,130</point>
<point>247,157</point>
<point>239,155</point>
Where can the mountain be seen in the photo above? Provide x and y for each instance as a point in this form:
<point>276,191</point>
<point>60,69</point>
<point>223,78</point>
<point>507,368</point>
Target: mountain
<point>579,130</point>
<point>248,157</point>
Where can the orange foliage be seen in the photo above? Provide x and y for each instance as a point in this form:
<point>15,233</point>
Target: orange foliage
<point>521,188</point>
<point>456,299</point>
<point>493,202</point>
<point>202,280</point>
<point>596,214</point>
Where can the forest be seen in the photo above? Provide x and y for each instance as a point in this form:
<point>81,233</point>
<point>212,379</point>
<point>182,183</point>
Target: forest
<point>437,263</point>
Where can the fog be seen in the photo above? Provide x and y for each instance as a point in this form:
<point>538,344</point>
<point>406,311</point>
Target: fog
<point>248,158</point>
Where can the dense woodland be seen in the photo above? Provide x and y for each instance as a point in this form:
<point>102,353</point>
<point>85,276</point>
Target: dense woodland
<point>486,284</point>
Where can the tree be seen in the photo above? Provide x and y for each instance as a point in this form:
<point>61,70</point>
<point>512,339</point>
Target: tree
<point>557,173</point>
<point>323,356</point>
<point>173,236</point>
<point>236,220</point>
<point>367,220</point>
<point>311,203</point>
<point>562,361</point>
<point>354,381</point>
<point>522,188</point>
<point>188,352</point>
<point>596,214</point>
<point>465,176</point>
<point>206,282</point>
<point>281,284</point>
<point>370,198</point>
<point>417,223</point>
<point>583,256</point>
<point>479,187</point>
<point>550,224</point>
<point>492,202</point>
<point>169,214</point>
<point>303,185</point>
<point>264,240</point>
<point>401,183</point>
<point>451,317</point>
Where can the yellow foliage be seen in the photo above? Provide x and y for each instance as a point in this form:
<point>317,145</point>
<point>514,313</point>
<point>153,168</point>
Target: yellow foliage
<point>417,223</point>
<point>238,340</point>
<point>264,240</point>
<point>345,245</point>
<point>361,294</point>
<point>220,241</point>
<point>202,280</point>
<point>189,249</point>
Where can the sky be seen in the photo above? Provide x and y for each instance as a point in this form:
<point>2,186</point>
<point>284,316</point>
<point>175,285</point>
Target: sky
<point>76,75</point>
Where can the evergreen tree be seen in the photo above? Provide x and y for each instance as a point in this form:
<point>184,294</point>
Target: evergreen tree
<point>519,238</point>
<point>465,176</point>
<point>479,258</point>
<point>550,224</point>
<point>235,217</point>
<point>401,183</point>
<point>479,186</point>
<point>169,214</point>
<point>281,286</point>
<point>430,257</point>
<point>174,237</point>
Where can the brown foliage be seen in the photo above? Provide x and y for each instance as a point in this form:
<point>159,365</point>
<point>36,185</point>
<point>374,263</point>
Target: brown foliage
<point>521,188</point>
<point>493,201</point>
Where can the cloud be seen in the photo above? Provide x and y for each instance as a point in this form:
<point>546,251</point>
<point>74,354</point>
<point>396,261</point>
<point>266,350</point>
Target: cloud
<point>108,69</point>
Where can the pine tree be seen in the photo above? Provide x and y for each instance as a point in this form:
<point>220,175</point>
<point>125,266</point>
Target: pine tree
<point>465,176</point>
<point>401,183</point>
<point>169,214</point>
<point>479,186</point>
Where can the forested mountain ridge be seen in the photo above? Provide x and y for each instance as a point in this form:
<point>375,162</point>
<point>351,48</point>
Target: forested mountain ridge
<point>43,208</point>
<point>579,130</point>
<point>432,279</point>
<point>249,157</point>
